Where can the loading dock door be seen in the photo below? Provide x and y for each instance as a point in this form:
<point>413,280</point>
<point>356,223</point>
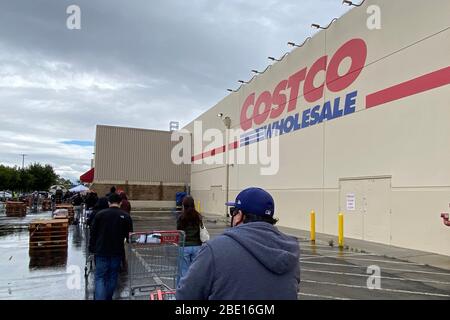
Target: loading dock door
<point>366,203</point>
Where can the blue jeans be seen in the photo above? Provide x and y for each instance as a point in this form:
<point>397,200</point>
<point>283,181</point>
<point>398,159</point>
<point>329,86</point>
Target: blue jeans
<point>189,254</point>
<point>106,273</point>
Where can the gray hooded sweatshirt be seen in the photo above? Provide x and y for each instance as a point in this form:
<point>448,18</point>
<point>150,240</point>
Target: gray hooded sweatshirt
<point>253,261</point>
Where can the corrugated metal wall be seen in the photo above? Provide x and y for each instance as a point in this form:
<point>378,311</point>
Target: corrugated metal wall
<point>136,155</point>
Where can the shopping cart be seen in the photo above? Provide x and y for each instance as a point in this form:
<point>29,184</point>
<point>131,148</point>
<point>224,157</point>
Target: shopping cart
<point>154,259</point>
<point>163,295</point>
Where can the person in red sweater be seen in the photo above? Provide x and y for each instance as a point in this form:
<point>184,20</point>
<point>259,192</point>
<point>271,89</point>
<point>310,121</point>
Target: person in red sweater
<point>125,204</point>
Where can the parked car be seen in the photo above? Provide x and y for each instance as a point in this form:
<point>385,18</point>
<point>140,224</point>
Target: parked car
<point>5,195</point>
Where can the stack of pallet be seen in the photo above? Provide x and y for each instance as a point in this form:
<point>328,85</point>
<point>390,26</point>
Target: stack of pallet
<point>46,205</point>
<point>16,209</point>
<point>48,235</point>
<point>70,210</point>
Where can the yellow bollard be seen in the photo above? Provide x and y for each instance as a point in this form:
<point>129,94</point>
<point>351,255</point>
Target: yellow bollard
<point>313,226</point>
<point>341,229</point>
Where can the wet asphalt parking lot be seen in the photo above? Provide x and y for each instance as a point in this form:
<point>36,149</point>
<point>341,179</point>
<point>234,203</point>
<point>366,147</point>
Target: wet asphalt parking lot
<point>326,272</point>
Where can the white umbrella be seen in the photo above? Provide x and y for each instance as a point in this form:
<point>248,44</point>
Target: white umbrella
<point>79,188</point>
<point>53,189</point>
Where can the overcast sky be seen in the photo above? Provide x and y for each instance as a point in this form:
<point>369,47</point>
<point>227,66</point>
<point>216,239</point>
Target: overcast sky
<point>135,63</point>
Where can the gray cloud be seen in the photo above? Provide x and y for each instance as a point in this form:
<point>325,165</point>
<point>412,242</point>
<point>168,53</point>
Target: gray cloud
<point>134,63</point>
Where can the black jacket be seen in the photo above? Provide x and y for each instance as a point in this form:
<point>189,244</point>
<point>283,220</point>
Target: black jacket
<point>77,200</point>
<point>192,232</point>
<point>109,229</point>
<point>91,200</point>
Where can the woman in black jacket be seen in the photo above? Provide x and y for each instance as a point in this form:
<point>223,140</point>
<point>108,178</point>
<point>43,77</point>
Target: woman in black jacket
<point>189,221</point>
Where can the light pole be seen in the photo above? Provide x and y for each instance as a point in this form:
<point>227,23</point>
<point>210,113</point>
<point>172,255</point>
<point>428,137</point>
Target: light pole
<point>23,160</point>
<point>227,122</point>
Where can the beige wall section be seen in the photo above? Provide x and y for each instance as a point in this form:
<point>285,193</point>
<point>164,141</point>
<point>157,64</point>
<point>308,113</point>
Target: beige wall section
<point>414,212</point>
<point>407,140</point>
<point>137,156</point>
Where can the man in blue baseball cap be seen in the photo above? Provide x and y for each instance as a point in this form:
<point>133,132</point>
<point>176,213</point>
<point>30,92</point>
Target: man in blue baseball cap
<point>253,260</point>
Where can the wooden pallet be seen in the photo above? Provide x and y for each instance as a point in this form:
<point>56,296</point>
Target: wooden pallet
<point>28,202</point>
<point>48,258</point>
<point>15,209</point>
<point>46,205</point>
<point>48,234</point>
<point>70,210</point>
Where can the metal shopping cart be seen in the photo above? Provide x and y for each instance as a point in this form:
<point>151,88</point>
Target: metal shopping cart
<point>154,259</point>
<point>163,295</point>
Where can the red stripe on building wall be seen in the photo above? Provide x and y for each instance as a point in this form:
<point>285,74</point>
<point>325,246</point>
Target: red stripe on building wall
<point>423,83</point>
<point>233,145</point>
<point>220,149</point>
<point>209,153</point>
<point>197,157</point>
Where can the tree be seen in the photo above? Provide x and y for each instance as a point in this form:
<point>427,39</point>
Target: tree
<point>63,182</point>
<point>26,181</point>
<point>9,178</point>
<point>36,177</point>
<point>42,177</point>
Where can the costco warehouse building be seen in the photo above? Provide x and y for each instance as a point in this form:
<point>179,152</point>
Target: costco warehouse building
<point>364,116</point>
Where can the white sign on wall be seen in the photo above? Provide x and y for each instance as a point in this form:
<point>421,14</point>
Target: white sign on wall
<point>351,205</point>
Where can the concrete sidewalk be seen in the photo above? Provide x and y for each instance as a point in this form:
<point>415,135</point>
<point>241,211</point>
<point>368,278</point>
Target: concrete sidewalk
<point>355,245</point>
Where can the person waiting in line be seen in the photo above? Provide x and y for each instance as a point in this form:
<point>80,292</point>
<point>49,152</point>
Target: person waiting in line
<point>125,204</point>
<point>67,196</point>
<point>59,194</point>
<point>110,228</point>
<point>251,261</point>
<point>34,201</point>
<point>77,202</point>
<point>189,221</point>
<point>111,191</point>
<point>91,200</point>
<point>102,203</point>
